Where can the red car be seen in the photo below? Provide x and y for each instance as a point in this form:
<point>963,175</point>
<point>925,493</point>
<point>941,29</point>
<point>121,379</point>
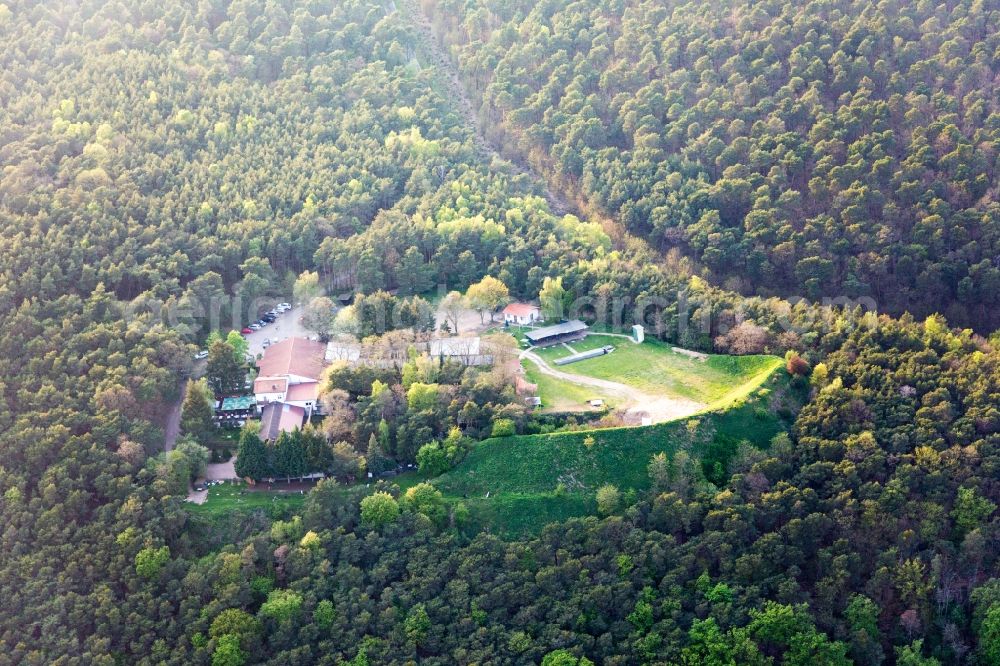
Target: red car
<point>246,331</point>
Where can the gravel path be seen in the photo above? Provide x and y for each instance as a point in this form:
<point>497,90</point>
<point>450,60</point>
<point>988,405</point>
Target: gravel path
<point>197,496</point>
<point>639,403</point>
<point>221,471</point>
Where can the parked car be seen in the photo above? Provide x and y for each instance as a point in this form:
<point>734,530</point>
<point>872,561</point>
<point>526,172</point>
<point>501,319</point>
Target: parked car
<point>201,355</point>
<point>287,306</point>
<point>247,331</point>
<point>254,327</point>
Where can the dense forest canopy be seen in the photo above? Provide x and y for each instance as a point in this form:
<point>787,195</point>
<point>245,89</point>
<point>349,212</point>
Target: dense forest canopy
<point>815,149</point>
<point>154,148</point>
<point>177,153</point>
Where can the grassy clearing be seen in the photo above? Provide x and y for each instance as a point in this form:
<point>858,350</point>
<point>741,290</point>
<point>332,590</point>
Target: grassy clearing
<point>560,396</point>
<point>235,498</point>
<point>654,368</point>
<point>536,479</point>
<point>515,515</point>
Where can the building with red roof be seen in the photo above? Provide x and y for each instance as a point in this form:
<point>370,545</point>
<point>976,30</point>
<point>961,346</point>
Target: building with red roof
<point>521,314</point>
<point>290,371</point>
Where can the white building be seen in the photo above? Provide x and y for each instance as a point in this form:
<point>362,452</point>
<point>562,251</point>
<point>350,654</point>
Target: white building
<point>521,314</point>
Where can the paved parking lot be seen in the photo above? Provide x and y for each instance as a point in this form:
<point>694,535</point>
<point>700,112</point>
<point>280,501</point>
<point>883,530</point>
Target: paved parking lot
<point>287,325</point>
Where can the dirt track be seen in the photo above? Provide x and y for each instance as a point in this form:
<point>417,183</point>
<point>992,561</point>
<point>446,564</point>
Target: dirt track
<point>638,403</point>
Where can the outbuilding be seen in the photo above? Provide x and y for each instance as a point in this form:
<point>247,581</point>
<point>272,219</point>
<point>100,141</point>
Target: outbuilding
<point>521,314</point>
<point>552,335</point>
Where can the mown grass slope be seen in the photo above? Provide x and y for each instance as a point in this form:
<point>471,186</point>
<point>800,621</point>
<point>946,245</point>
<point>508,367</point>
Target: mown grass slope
<point>653,367</point>
<point>516,485</point>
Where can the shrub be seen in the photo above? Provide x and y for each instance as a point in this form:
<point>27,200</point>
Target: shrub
<point>149,561</point>
<point>379,509</point>
<point>503,428</point>
<point>608,499</point>
<point>281,605</point>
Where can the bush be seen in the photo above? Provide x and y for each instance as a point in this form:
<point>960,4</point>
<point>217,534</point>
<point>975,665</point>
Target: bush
<point>608,499</point>
<point>503,428</point>
<point>431,459</point>
<point>149,561</point>
<point>379,509</point>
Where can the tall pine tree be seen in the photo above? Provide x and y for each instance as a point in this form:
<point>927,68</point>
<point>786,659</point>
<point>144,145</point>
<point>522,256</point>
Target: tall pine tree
<point>196,412</point>
<point>376,458</point>
<point>252,458</point>
<point>289,455</point>
<point>224,373</point>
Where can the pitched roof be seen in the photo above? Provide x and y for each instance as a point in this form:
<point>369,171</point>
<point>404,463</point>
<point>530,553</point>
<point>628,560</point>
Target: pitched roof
<point>520,309</point>
<point>277,417</point>
<point>454,347</point>
<point>306,391</point>
<point>270,385</point>
<point>294,356</point>
<point>559,329</point>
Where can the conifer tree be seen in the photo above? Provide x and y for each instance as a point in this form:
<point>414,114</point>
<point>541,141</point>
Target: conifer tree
<point>251,458</point>
<point>196,412</point>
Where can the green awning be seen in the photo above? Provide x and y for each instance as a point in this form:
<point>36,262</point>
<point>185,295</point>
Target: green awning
<point>238,403</point>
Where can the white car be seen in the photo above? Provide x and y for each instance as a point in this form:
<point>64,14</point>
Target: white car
<point>267,343</point>
<point>254,327</point>
<point>285,306</point>
<point>203,354</point>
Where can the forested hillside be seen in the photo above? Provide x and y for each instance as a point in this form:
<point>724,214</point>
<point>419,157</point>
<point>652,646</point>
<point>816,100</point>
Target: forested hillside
<point>152,149</point>
<point>175,153</point>
<point>815,149</point>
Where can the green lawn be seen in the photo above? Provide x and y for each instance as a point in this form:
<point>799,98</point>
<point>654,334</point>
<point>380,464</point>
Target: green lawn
<point>234,497</point>
<point>654,368</point>
<point>536,479</point>
<point>560,396</point>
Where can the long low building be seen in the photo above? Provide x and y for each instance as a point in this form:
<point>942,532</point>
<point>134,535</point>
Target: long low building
<point>584,355</point>
<point>551,335</point>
